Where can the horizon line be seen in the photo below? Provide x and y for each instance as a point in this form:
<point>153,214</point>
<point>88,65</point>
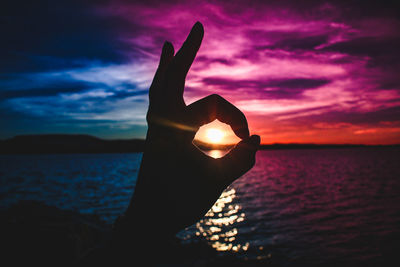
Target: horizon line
<point>205,143</point>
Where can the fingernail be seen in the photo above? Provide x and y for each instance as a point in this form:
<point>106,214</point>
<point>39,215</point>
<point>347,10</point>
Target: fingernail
<point>164,48</point>
<point>167,47</point>
<point>197,31</point>
<point>198,25</point>
<point>167,52</point>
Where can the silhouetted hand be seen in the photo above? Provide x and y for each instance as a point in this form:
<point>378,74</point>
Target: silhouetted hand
<point>178,183</point>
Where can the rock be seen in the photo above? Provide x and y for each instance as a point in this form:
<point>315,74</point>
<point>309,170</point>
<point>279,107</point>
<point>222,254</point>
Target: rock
<point>32,232</point>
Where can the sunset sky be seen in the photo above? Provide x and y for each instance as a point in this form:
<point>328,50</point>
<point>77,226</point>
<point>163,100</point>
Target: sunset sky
<point>301,71</point>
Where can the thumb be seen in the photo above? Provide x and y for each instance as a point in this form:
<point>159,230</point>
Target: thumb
<point>240,159</point>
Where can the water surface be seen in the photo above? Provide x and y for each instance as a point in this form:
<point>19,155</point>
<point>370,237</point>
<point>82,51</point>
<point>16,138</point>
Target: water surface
<point>317,206</point>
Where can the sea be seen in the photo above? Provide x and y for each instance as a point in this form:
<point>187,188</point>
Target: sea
<point>325,207</point>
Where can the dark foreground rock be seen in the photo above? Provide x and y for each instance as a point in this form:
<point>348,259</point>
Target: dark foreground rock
<point>34,234</point>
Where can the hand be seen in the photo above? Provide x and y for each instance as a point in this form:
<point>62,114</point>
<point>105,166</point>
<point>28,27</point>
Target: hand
<point>178,183</point>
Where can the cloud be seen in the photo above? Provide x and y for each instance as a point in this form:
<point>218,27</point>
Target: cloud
<point>111,94</point>
<point>45,35</point>
<point>272,89</point>
<point>281,62</point>
<point>41,90</point>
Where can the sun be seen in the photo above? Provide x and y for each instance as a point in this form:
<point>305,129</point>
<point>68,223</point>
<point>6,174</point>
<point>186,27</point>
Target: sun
<point>217,133</point>
<point>214,135</point>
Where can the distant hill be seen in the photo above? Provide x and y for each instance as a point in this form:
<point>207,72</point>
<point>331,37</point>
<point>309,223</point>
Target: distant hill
<point>76,143</point>
<point>65,143</point>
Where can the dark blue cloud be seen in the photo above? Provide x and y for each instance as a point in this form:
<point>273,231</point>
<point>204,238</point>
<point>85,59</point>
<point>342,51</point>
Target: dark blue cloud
<point>47,90</point>
<point>383,52</point>
<point>42,35</point>
<point>272,88</point>
<point>287,40</point>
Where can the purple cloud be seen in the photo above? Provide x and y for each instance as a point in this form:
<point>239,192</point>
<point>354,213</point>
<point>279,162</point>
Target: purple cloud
<point>281,62</point>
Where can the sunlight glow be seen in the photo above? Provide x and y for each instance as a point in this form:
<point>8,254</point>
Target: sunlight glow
<point>214,135</point>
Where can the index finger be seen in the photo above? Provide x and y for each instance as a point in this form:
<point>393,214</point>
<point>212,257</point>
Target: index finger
<point>214,107</point>
<point>182,61</point>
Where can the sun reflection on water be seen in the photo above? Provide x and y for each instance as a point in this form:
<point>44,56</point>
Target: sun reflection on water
<point>216,153</point>
<point>218,225</point>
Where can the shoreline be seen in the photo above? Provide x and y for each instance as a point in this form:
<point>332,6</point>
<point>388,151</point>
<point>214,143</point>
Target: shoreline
<point>82,144</point>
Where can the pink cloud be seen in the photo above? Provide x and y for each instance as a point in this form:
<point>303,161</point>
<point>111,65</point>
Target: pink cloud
<point>253,45</point>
